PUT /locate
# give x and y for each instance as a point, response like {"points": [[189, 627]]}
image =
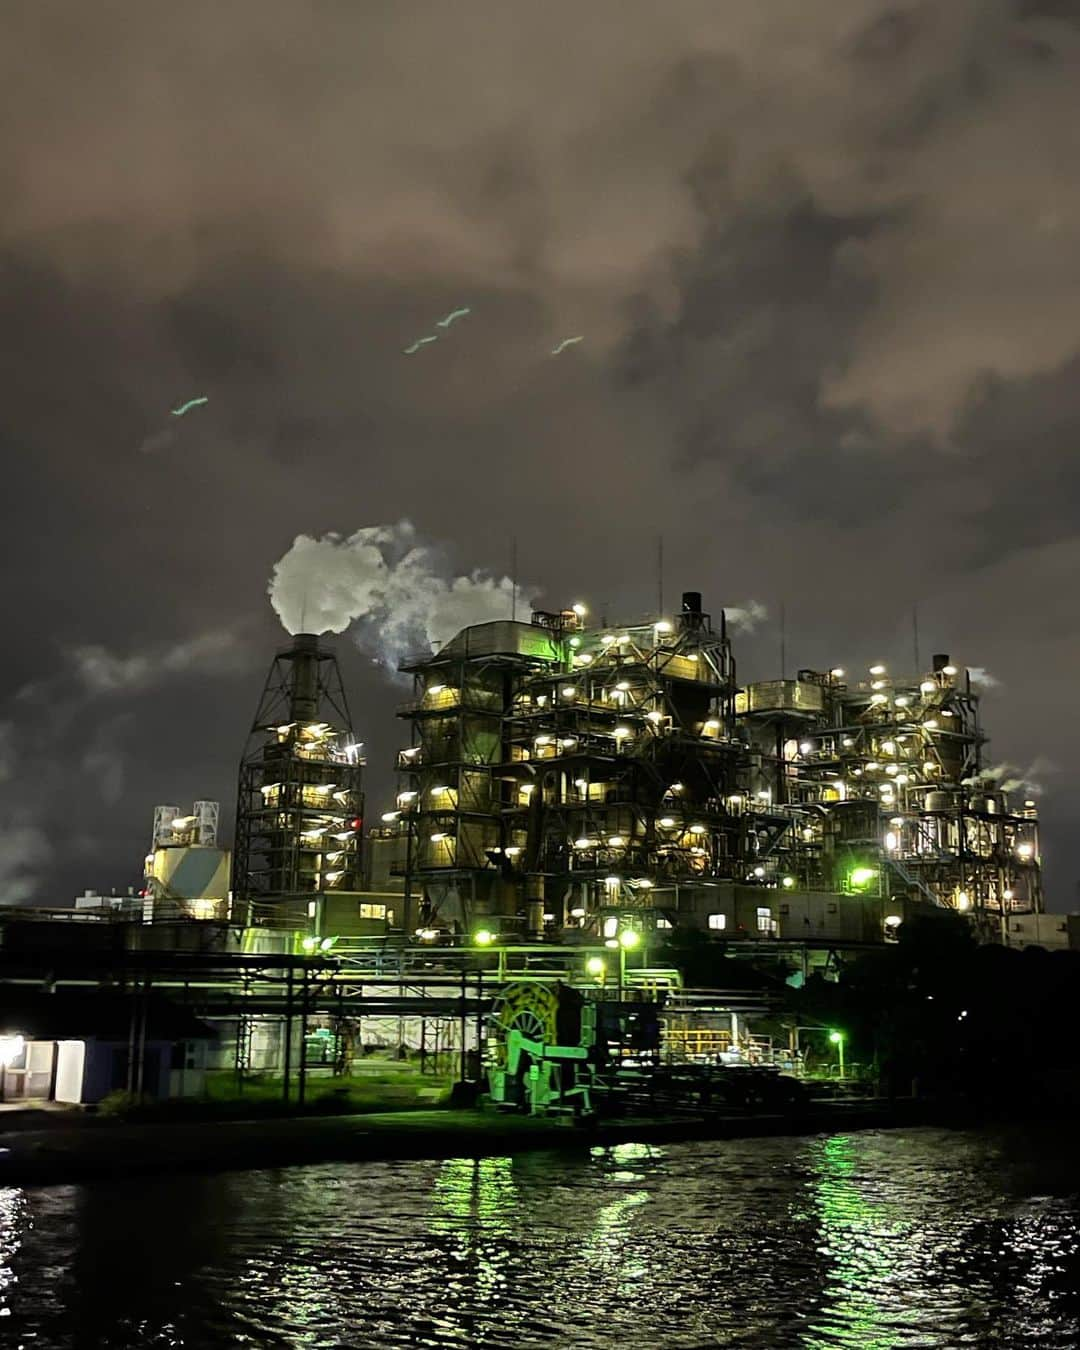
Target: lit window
{"points": [[764, 920], [718, 921]]}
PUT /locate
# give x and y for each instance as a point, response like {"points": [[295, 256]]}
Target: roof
{"points": [[77, 1015]]}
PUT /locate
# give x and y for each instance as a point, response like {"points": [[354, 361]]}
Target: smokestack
{"points": [[304, 697]]}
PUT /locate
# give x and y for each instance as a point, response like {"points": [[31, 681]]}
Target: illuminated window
{"points": [[372, 911], [718, 922], [764, 920]]}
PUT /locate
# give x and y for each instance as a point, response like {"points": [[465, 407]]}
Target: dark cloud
{"points": [[826, 273]]}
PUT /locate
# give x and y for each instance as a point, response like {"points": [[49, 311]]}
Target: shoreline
{"points": [[61, 1155]]}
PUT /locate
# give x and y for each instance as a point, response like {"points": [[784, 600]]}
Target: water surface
{"points": [[919, 1238]]}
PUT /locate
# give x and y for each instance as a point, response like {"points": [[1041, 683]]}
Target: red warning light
{"points": [[357, 823]]}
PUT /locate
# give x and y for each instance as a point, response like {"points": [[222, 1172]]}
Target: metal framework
{"points": [[299, 816], [885, 790]]}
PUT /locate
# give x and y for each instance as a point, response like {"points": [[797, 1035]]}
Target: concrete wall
{"points": [[758, 913], [1041, 930]]}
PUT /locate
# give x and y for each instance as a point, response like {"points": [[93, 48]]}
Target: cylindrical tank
{"points": [[534, 904], [691, 615]]}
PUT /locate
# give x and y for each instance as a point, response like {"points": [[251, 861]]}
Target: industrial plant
{"points": [[565, 778], [574, 801]]}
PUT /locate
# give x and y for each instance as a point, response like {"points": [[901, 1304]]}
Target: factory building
{"points": [[185, 873], [563, 777], [300, 805]]}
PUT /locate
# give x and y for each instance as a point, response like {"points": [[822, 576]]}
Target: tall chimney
{"points": [[304, 698]]}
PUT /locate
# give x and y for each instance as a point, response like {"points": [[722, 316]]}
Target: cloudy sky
{"points": [[825, 260]]}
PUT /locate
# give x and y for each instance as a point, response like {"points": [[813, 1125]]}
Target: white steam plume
{"points": [[382, 579], [1011, 778], [745, 618], [981, 677]]}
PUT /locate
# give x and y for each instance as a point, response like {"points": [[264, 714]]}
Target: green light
{"points": [[327, 943], [186, 407], [484, 937], [836, 1037], [788, 882], [861, 877], [629, 939], [309, 944], [575, 642], [595, 966]]}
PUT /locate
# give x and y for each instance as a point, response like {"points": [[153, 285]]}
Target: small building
{"points": [[78, 1047]]}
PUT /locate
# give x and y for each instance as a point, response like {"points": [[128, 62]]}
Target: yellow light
{"points": [[877, 670], [837, 673], [927, 687], [595, 966], [579, 609], [948, 670], [584, 842], [642, 883], [623, 638], [484, 937], [622, 732], [569, 691], [877, 684], [662, 626], [437, 838], [655, 716], [404, 797], [963, 900], [788, 883], [712, 725], [436, 688], [675, 787], [892, 841], [666, 822], [616, 841], [390, 816], [1025, 850], [622, 686], [878, 698], [512, 851], [901, 702], [697, 829], [931, 725], [628, 939]]}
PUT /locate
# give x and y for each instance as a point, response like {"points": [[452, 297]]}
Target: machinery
{"points": [[552, 1051]]}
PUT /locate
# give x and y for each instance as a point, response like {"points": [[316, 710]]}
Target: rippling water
{"points": [[921, 1238]]}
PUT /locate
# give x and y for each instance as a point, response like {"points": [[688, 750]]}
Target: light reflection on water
{"points": [[877, 1241]]}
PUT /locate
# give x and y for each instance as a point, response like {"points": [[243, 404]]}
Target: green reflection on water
{"points": [[857, 1235], [474, 1201]]}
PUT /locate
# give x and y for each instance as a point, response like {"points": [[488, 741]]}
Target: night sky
{"points": [[825, 259]]}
